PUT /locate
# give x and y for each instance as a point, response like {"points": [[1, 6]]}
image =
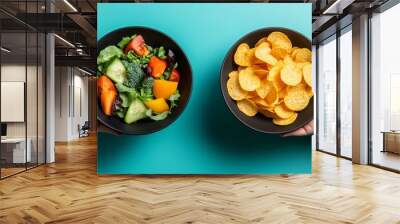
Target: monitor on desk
{"points": [[3, 130]]}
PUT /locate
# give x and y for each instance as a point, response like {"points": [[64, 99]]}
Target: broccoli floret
{"points": [[148, 83], [134, 74], [146, 92]]}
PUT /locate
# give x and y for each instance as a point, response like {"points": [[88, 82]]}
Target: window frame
{"points": [[381, 9], [334, 37]]}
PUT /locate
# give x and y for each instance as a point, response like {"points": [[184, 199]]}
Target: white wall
{"points": [[61, 104], [16, 73], [33, 126], [80, 103], [71, 93]]}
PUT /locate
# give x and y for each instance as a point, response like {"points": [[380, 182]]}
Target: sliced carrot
{"points": [[158, 105], [107, 92], [104, 84], [107, 100], [163, 88]]}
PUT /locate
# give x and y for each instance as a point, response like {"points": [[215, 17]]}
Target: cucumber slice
{"points": [[116, 71], [136, 111]]}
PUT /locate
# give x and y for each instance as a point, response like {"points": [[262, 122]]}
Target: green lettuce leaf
{"points": [[108, 54], [156, 117]]}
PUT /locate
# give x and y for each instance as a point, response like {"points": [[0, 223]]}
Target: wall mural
{"points": [[204, 88]]}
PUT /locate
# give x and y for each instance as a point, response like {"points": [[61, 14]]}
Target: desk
{"points": [[391, 141], [17, 150]]}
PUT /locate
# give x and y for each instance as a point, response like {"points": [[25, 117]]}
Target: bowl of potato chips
{"points": [[266, 80]]}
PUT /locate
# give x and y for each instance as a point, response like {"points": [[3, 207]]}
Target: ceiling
{"points": [[75, 20]]}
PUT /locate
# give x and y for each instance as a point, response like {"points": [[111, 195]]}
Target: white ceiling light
{"points": [[84, 71], [5, 50], [64, 40], [70, 5], [337, 7]]}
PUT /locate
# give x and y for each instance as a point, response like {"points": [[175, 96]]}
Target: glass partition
{"points": [[327, 96], [13, 94], [22, 76], [32, 96]]}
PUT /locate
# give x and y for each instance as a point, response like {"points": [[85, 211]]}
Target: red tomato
{"points": [[137, 45], [175, 76]]}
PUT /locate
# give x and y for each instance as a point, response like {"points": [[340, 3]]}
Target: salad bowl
{"points": [[146, 126]]}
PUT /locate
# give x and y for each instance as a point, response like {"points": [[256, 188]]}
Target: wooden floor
{"points": [[5, 172], [387, 159], [69, 191]]}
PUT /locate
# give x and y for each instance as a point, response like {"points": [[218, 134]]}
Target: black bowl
{"points": [[153, 38], [259, 122]]}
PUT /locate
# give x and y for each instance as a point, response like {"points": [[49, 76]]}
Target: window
{"points": [[346, 92], [327, 96], [385, 89]]}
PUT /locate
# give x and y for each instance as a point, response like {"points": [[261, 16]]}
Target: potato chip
{"points": [[241, 56], [263, 66], [309, 91], [274, 75], [248, 80], [259, 71], [299, 87], [269, 67], [268, 113], [296, 99], [307, 74], [267, 108], [265, 87], [247, 107], [282, 93], [279, 38], [263, 52], [260, 102], [303, 55], [283, 112], [285, 47], [233, 73], [251, 94], [233, 87], [293, 51], [279, 53], [291, 75], [251, 58], [262, 40], [280, 41], [275, 71], [272, 97], [287, 121], [240, 68], [289, 61], [300, 65]]}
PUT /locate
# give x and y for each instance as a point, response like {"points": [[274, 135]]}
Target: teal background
{"points": [[206, 138]]}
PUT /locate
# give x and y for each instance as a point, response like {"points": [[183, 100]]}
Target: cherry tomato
{"points": [[175, 76]]}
